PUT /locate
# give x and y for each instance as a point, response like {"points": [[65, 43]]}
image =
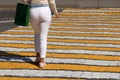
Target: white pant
{"points": [[40, 21]]}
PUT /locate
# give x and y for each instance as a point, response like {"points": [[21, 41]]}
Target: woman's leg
{"points": [[45, 18], [34, 20], [41, 30], [44, 29]]}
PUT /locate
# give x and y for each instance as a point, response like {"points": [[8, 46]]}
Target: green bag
{"points": [[22, 14]]}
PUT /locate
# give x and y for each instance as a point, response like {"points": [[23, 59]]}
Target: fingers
{"points": [[56, 15]]}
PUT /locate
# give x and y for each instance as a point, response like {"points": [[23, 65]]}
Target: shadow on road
{"points": [[7, 19], [10, 56], [7, 26]]}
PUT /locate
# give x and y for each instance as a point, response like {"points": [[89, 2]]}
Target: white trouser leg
{"points": [[40, 21]]}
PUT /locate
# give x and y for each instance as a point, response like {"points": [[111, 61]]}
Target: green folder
{"points": [[22, 14]]}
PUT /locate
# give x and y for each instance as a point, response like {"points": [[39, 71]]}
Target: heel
{"points": [[41, 65]]}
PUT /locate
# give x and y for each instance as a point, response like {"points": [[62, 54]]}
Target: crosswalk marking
{"points": [[61, 37], [64, 24], [112, 53], [60, 43], [65, 40], [75, 29], [76, 32], [65, 47], [82, 44], [65, 74], [29, 78], [63, 61], [65, 56], [39, 78], [60, 67], [67, 34]]}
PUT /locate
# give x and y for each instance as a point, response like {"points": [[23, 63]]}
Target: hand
{"points": [[56, 15]]}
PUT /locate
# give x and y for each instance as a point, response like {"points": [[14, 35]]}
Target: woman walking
{"points": [[40, 19]]}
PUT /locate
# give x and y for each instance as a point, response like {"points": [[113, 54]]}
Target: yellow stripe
{"points": [[62, 47], [11, 65], [97, 22], [67, 40], [22, 28], [89, 14], [65, 34], [15, 38], [66, 24], [93, 9], [70, 56], [84, 56], [101, 13], [29, 28], [18, 33], [84, 21], [20, 78], [16, 45], [82, 48], [83, 30]]}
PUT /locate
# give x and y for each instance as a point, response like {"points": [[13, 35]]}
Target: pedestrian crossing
{"points": [[82, 44]]}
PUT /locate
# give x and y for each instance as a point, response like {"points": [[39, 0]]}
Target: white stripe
{"points": [[58, 73], [16, 49], [6, 21], [104, 24], [77, 32], [83, 44], [61, 51], [62, 43], [20, 31], [17, 36], [85, 52], [89, 38], [61, 37], [62, 61], [17, 41]]}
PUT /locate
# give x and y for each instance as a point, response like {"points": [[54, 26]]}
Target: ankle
{"points": [[42, 60], [37, 55]]}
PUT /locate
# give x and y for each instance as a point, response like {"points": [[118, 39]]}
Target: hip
{"points": [[38, 5]]}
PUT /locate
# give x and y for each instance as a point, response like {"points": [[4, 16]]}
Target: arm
{"points": [[26, 1], [53, 7]]}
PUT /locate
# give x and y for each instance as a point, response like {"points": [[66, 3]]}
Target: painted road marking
{"points": [[76, 32], [33, 78], [61, 37], [62, 51], [65, 47], [73, 67], [61, 73], [100, 61], [62, 61], [64, 56], [66, 40], [61, 43]]}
